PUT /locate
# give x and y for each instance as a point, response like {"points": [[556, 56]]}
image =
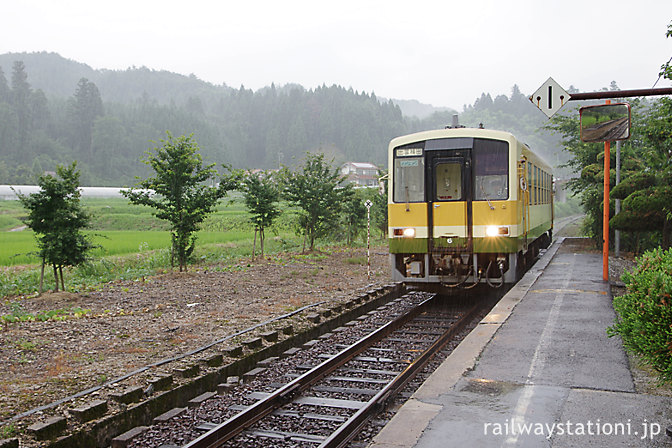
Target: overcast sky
{"points": [[444, 53]]}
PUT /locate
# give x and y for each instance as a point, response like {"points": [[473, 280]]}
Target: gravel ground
{"points": [[135, 323]]}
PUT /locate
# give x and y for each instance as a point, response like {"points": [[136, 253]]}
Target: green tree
{"points": [[57, 218], [261, 195], [646, 189], [354, 214], [85, 107], [5, 93], [666, 68], [586, 159], [315, 190], [379, 207], [178, 192], [21, 93]]}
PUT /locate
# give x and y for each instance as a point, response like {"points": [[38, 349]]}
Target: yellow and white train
{"points": [[466, 206]]}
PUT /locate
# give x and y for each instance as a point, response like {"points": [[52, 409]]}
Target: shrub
{"points": [[645, 311]]}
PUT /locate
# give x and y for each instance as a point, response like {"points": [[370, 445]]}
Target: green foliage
{"points": [[240, 127], [354, 215], [18, 315], [645, 173], [85, 107], [645, 311], [570, 208], [8, 430], [177, 192], [636, 181], [261, 195], [11, 213], [315, 191], [644, 210], [56, 217], [379, 208], [666, 68], [261, 129], [220, 251], [647, 189]]}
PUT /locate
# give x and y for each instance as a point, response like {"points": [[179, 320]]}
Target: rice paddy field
{"points": [[131, 242], [119, 228]]}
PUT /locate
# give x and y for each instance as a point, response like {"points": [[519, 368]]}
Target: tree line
{"points": [[181, 192], [262, 129], [106, 120], [646, 172]]}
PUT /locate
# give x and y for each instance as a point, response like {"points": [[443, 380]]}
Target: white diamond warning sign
{"points": [[550, 97]]}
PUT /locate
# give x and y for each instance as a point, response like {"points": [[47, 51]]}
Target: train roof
{"points": [[452, 132], [462, 132]]}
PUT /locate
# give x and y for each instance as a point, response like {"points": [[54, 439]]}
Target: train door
{"points": [[450, 203], [524, 199]]}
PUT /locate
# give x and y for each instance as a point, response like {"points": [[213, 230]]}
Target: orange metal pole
{"points": [[605, 218]]}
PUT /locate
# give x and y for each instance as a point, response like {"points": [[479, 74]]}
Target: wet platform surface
{"points": [[538, 371]]}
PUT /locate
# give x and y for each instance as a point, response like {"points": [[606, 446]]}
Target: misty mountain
{"points": [[54, 110], [414, 108], [56, 76]]}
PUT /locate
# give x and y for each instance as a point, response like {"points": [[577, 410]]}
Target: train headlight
{"points": [[405, 232], [497, 231]]}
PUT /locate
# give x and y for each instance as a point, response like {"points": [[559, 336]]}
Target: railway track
{"points": [[332, 389]]}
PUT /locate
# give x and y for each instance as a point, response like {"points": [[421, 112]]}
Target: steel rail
{"points": [[348, 430], [236, 424]]}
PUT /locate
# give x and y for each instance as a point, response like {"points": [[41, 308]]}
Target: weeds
{"points": [[8, 431], [18, 315], [29, 346], [645, 311]]}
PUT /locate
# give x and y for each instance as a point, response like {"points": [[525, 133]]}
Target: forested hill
{"points": [[58, 77], [54, 111]]}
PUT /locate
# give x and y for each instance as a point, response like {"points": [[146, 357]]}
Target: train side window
{"points": [[537, 186], [537, 176], [491, 169], [530, 186], [409, 179]]}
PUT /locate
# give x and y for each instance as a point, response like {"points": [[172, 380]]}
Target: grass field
{"points": [[18, 248], [120, 228], [132, 243]]}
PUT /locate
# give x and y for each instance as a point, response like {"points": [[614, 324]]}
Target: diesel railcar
{"points": [[466, 206]]}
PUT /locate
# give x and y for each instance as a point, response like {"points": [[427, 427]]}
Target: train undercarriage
{"points": [[465, 270]]}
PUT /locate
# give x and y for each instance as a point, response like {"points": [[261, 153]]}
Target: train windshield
{"points": [[409, 179], [491, 169], [448, 181]]}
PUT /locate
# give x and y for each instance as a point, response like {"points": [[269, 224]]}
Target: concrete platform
{"points": [[538, 371]]}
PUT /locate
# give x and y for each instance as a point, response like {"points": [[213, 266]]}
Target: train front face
{"points": [[453, 207]]}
